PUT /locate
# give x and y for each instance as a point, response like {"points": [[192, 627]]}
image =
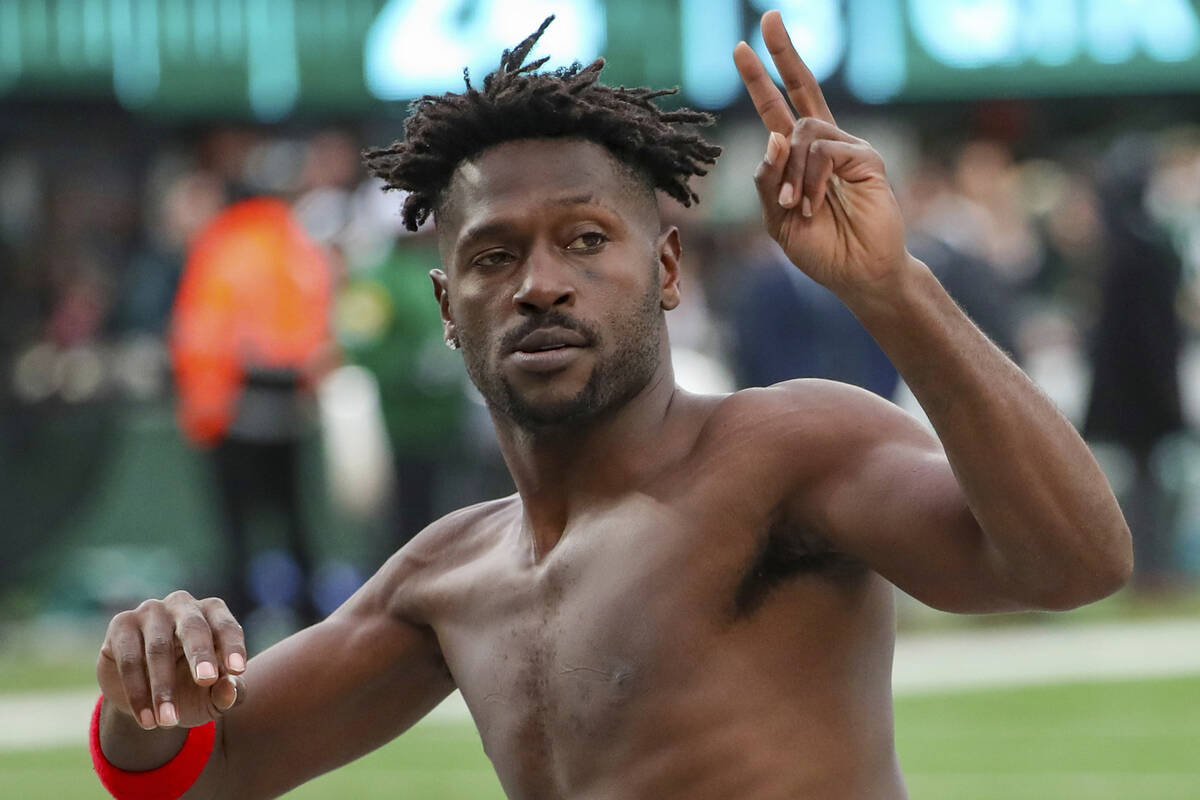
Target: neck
{"points": [[560, 470]]}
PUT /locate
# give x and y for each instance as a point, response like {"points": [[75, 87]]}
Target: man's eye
{"points": [[587, 241], [494, 258]]}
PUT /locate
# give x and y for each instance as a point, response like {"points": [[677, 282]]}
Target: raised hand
{"points": [[173, 662], [824, 193]]}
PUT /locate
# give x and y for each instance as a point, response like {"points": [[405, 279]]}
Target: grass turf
{"points": [[1099, 741]]}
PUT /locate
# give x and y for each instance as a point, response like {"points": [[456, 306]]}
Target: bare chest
{"points": [[557, 656], [563, 663]]}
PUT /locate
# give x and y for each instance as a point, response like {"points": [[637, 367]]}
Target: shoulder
{"points": [[457, 539], [811, 408], [458, 536], [802, 430]]}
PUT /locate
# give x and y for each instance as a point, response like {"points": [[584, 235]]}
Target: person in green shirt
{"points": [[387, 322]]}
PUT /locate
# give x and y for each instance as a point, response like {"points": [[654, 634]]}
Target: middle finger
{"points": [[195, 636], [802, 88], [158, 637]]}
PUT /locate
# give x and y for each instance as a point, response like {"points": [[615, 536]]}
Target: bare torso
{"points": [[679, 640]]}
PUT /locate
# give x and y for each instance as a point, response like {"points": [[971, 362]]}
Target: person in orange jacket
{"points": [[250, 322]]}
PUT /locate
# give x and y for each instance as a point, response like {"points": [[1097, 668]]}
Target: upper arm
{"points": [[329, 694], [872, 482]]}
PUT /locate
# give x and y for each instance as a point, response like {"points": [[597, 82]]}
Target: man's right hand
{"points": [[173, 662]]}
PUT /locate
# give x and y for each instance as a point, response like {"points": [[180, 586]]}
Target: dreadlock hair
{"points": [[442, 131]]}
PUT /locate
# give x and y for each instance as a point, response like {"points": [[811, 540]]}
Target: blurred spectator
{"points": [[250, 323], [186, 205], [987, 178], [949, 232], [986, 299], [788, 326], [388, 322], [1135, 401], [934, 206]]}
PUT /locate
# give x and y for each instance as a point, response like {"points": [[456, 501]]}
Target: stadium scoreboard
{"points": [[267, 59]]}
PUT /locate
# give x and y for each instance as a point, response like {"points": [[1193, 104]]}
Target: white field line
{"points": [[924, 664], [938, 663], [36, 720]]}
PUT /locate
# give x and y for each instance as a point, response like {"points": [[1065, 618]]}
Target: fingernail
{"points": [[236, 662], [205, 670], [166, 713], [785, 195], [806, 206], [146, 719], [774, 147]]}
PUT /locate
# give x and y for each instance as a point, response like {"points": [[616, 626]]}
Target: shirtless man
{"points": [[689, 596]]}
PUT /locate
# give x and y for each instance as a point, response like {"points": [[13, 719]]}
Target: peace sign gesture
{"points": [[824, 193]]}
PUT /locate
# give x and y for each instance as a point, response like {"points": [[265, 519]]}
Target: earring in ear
{"points": [[452, 342]]}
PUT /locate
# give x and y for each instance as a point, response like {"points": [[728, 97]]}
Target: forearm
{"points": [[1032, 484]]}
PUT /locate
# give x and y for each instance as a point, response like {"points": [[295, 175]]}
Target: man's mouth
{"points": [[550, 339], [548, 350]]}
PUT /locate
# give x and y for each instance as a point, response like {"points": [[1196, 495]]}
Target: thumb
{"points": [[227, 693], [768, 179]]}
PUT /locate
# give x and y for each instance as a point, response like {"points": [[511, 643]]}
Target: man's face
{"points": [[555, 278]]}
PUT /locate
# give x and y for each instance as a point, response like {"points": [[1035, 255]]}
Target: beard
{"points": [[616, 378]]}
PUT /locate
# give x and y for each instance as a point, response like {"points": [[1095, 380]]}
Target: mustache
{"points": [[549, 319]]}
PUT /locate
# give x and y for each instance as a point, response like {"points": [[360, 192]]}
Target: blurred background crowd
{"points": [[221, 366]]}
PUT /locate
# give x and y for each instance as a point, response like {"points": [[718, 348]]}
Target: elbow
{"points": [[1122, 561], [1098, 573], [1114, 563]]}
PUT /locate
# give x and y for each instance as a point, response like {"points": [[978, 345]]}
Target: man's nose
{"points": [[547, 285]]}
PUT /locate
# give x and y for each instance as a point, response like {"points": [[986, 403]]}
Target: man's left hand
{"points": [[824, 193]]}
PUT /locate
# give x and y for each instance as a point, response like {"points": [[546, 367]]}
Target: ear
{"points": [[441, 291], [670, 251]]}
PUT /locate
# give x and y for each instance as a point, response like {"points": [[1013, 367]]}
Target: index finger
{"points": [[802, 88], [768, 100]]}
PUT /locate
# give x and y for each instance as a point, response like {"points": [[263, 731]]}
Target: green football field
{"points": [[1099, 741]]}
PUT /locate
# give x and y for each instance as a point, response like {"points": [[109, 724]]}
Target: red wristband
{"points": [[167, 782]]}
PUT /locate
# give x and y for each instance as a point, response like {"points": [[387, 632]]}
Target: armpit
{"points": [[786, 553]]}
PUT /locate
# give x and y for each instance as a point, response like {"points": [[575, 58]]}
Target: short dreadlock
{"points": [[442, 131]]}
